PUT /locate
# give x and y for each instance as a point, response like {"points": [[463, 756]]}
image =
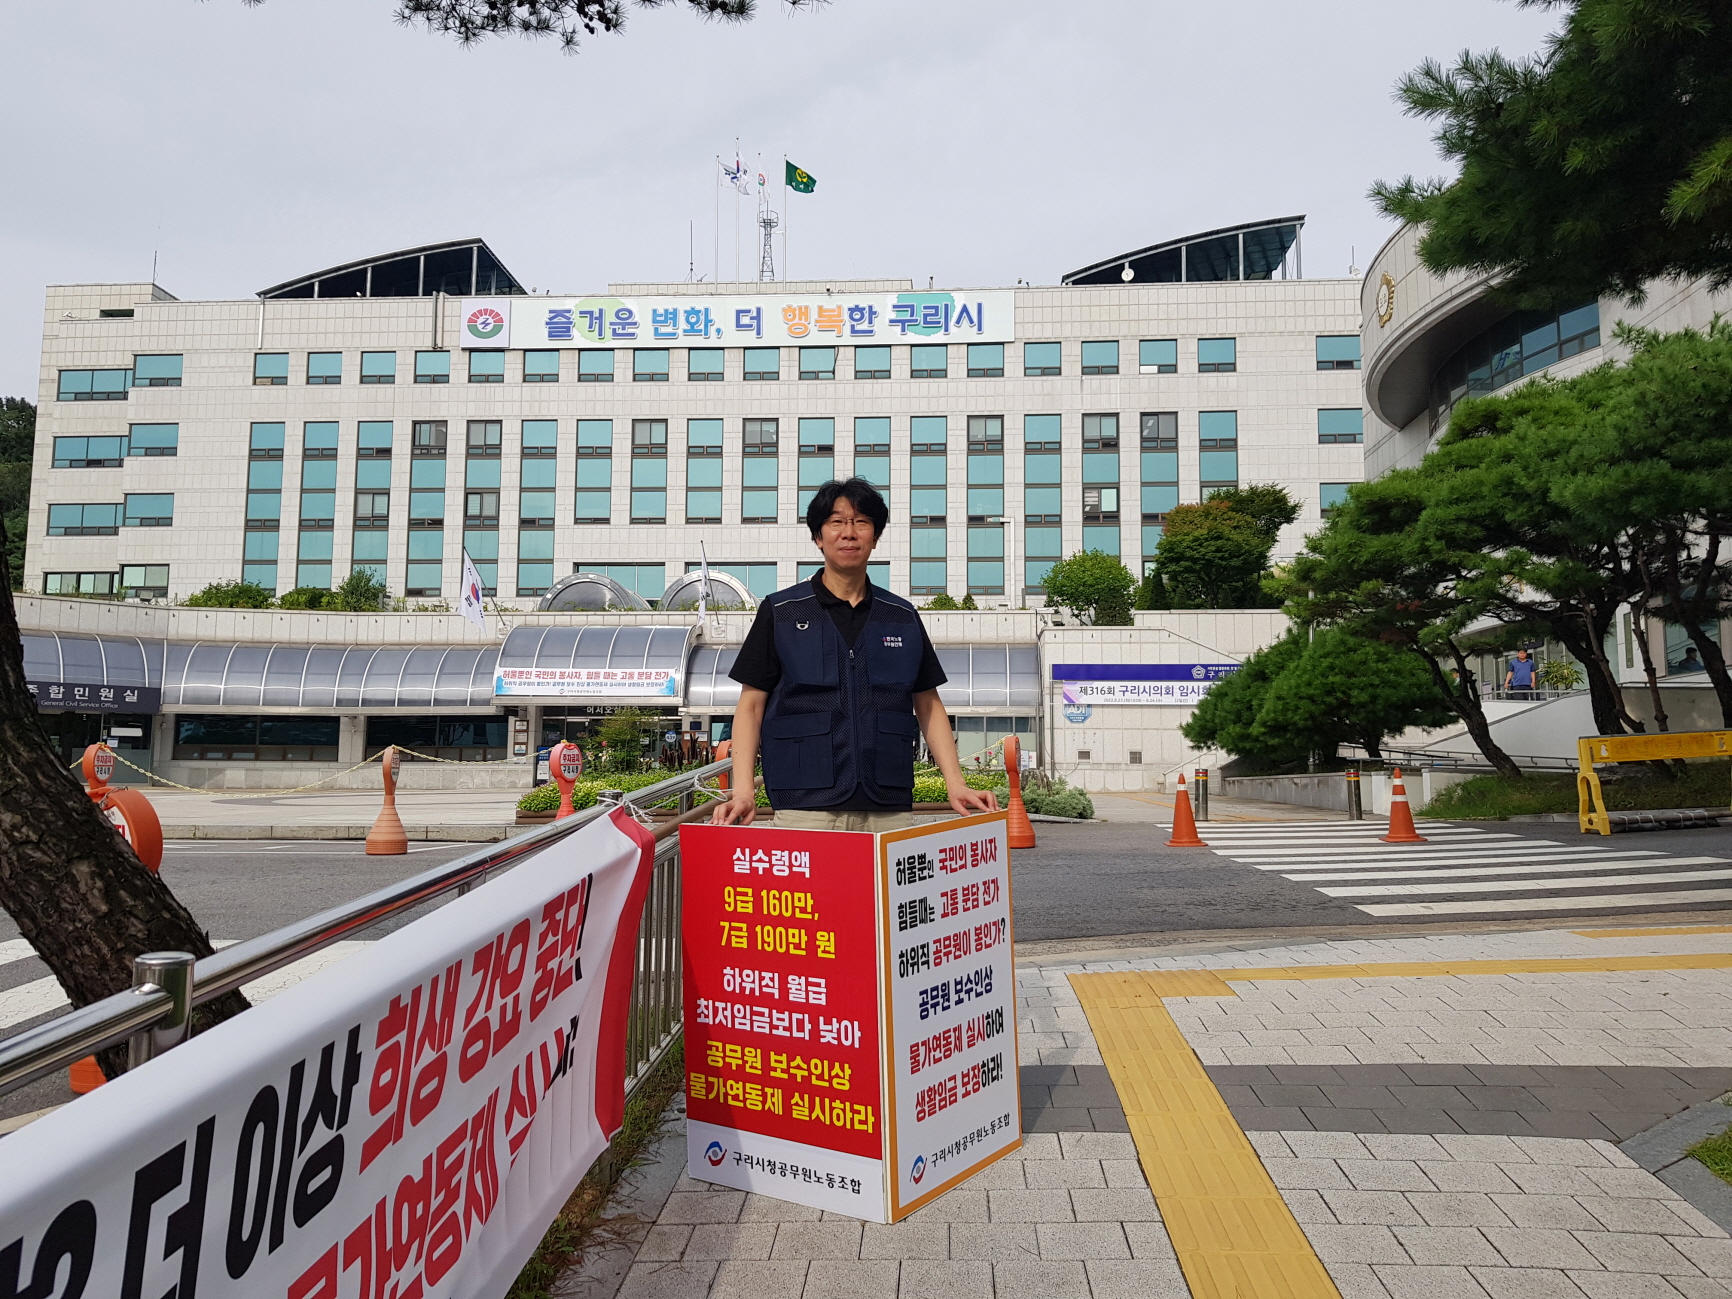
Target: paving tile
{"points": [[1119, 1204], [1030, 1206], [1327, 1119], [1270, 1145], [1386, 1208], [813, 1240], [1004, 1173], [702, 1206], [836, 1279], [1402, 1119], [1657, 1216], [1273, 1119], [1327, 1145], [1480, 1148], [924, 1279], [767, 1208], [1575, 1153], [731, 1240], [1142, 1278], [1465, 1175], [1356, 1281], [1441, 1075], [964, 1204], [1097, 1145], [1553, 1179], [1630, 1183], [1337, 1243], [1626, 1285], [759, 1279], [1128, 1172], [1635, 1252], [1506, 1075], [1403, 1145], [664, 1244], [906, 1239], [1446, 1245], [1052, 1120], [1112, 1120], [1569, 1124], [1625, 1124], [1560, 1212], [1493, 1123], [1242, 1074], [1526, 1283], [993, 1241], [1307, 1174], [1307, 1206], [1537, 1247], [1700, 1287], [1351, 1097], [1385, 1175], [1428, 1282], [1082, 1240], [1039, 1279], [648, 1280]]}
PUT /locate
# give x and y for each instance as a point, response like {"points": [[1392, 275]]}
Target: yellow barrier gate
{"points": [[1590, 749]]}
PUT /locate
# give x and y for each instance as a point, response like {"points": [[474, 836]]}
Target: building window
{"points": [[758, 472], [928, 361], [1100, 466], [1045, 547], [1338, 351], [594, 503], [324, 367], [318, 494], [705, 364], [593, 366], [985, 471], [78, 583], [1101, 357], [94, 385], [927, 573], [378, 367], [432, 367], [1041, 360], [1041, 469], [482, 547], [319, 440], [264, 495], [763, 363], [986, 360], [481, 494], [1334, 426], [1158, 356], [1217, 355], [259, 558], [543, 367], [144, 581], [372, 509], [152, 439], [89, 453], [540, 438], [817, 463], [647, 580], [313, 560], [649, 471], [759, 579], [427, 493], [1160, 468], [1332, 496], [487, 367], [649, 365], [929, 433], [156, 371], [534, 561], [453, 739], [149, 510], [1218, 449], [270, 369], [871, 362], [265, 442], [1518, 345], [872, 451], [704, 471], [224, 738], [83, 520], [986, 560], [373, 441], [540, 474], [817, 363], [372, 489], [424, 573], [427, 437]]}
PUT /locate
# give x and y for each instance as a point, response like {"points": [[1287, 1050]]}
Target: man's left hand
{"points": [[966, 802]]}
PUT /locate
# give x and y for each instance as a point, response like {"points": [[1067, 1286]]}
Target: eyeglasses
{"points": [[836, 523]]}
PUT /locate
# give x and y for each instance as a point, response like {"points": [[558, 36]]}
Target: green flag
{"points": [[800, 181]]}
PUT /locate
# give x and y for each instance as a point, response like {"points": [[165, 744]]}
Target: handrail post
{"points": [[169, 972]]}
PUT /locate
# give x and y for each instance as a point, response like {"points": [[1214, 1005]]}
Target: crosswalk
{"points": [[1467, 870], [37, 997]]}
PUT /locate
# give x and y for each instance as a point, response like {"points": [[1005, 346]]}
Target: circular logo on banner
{"points": [[103, 765], [571, 762], [919, 1170], [484, 322], [715, 1153], [1198, 672]]}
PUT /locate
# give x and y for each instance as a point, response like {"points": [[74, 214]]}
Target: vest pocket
{"points": [[796, 752], [897, 735]]}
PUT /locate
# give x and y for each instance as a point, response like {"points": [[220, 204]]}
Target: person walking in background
{"points": [[1519, 680], [838, 680]]}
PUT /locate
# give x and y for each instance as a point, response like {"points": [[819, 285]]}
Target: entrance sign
{"points": [[850, 1011], [406, 1122], [580, 683]]}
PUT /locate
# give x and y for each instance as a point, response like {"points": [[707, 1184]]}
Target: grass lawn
{"points": [[1706, 783], [1715, 1154]]}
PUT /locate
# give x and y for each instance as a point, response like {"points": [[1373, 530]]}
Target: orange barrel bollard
{"points": [[1401, 828], [724, 751], [1184, 824], [387, 837], [1020, 830], [565, 765]]}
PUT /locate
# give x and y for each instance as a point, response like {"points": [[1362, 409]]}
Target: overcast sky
{"points": [[974, 141]]}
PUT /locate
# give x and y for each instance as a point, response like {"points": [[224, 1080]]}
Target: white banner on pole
{"points": [[405, 1123]]}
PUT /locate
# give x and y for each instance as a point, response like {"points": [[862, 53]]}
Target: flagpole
{"points": [[736, 212], [716, 273], [787, 217]]}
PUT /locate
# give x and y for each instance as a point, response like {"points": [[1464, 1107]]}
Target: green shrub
{"points": [[545, 798], [231, 595], [1058, 799], [304, 597]]}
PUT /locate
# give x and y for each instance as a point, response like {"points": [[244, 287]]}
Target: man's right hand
{"points": [[740, 809]]}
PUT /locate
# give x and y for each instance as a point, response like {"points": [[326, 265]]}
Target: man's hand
{"points": [[965, 801], [740, 808]]}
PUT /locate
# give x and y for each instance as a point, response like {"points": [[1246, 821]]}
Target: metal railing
{"points": [[133, 1015]]}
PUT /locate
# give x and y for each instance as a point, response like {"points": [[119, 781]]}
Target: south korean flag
{"points": [[469, 595]]}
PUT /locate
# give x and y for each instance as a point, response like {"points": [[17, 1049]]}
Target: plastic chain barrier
{"points": [[270, 793]]}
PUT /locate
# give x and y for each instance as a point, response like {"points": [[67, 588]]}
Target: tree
{"points": [[1266, 504], [1093, 585], [1226, 717], [360, 592], [471, 20], [942, 601], [1601, 164], [232, 595], [79, 896], [17, 451], [1210, 556], [1347, 688]]}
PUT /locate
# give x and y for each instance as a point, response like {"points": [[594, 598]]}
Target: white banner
{"points": [[1134, 692], [767, 319], [580, 683], [405, 1123]]}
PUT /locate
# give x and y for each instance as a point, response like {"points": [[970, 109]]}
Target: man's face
{"points": [[1522, 655], [847, 537]]}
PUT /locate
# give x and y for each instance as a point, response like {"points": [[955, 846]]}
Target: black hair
{"points": [[860, 494]]}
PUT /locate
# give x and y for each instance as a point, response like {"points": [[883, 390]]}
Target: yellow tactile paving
{"points": [[1233, 1233], [1658, 932]]}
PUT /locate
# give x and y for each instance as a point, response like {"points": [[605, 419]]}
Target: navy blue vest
{"points": [[841, 718]]}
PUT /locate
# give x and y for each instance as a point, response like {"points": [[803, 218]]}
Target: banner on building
{"points": [[850, 1012], [404, 1123], [1085, 685], [587, 683], [767, 319], [76, 697]]}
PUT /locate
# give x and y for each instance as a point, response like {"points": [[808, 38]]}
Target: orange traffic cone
{"points": [[387, 838], [86, 1076], [1400, 815], [1184, 824], [1019, 832]]}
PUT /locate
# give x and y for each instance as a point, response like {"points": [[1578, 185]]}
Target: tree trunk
{"points": [[1576, 633], [1463, 698], [78, 894], [1639, 634], [1690, 615]]}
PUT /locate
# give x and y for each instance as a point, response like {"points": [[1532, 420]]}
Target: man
{"points": [[1520, 677], [837, 680]]}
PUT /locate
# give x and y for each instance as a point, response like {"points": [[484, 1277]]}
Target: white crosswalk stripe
{"points": [[1465, 870]]}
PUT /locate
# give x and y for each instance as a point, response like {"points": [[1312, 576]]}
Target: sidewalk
{"points": [[448, 815], [1430, 1116]]}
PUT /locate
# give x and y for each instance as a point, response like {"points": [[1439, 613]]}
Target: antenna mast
{"points": [[767, 263]]}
